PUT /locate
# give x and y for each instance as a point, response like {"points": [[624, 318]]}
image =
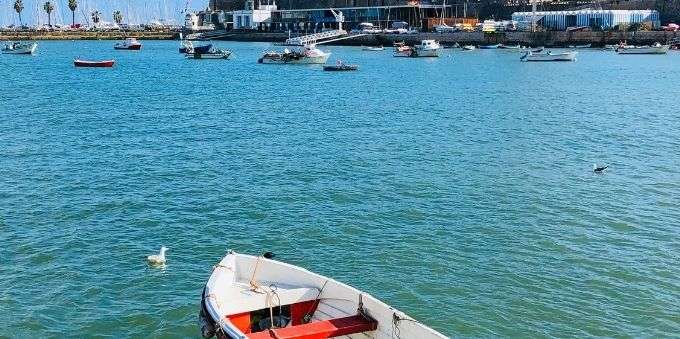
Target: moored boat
{"points": [[27, 48], [401, 49], [208, 52], [88, 63], [130, 44], [502, 46], [580, 46], [469, 48], [186, 46], [549, 56], [260, 298], [654, 49], [427, 48], [372, 48], [307, 54], [489, 46]]}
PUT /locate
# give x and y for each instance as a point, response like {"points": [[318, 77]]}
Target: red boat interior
{"points": [[292, 322]]}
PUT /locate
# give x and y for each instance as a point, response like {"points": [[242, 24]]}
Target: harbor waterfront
{"points": [[553, 38], [458, 189]]}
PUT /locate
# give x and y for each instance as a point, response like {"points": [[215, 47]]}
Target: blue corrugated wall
{"points": [[605, 18]]}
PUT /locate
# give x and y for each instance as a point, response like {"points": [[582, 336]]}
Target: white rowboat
{"points": [[549, 56], [656, 49], [250, 297]]}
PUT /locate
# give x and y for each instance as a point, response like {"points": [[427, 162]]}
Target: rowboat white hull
{"points": [[246, 295], [644, 50], [567, 56]]}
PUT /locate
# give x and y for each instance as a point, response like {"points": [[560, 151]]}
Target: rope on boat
{"points": [[310, 312], [396, 319]]}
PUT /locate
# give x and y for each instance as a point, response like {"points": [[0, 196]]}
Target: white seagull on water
{"points": [[158, 259]]}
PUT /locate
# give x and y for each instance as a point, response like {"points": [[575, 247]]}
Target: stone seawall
{"points": [[525, 38], [555, 39], [78, 35]]}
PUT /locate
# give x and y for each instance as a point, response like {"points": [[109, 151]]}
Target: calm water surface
{"points": [[457, 189]]}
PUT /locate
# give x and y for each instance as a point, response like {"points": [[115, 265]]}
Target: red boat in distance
{"points": [[86, 63]]}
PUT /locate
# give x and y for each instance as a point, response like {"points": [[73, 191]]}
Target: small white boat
{"points": [[307, 54], [207, 52], [469, 48], [444, 28], [20, 48], [580, 46], [502, 46], [250, 297], [129, 44], [372, 48], [401, 49], [655, 49], [427, 48], [549, 56]]}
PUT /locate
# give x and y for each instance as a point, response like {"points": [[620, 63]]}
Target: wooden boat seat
{"points": [[239, 298], [320, 329]]}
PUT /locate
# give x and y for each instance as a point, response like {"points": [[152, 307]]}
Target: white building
{"points": [[251, 18]]}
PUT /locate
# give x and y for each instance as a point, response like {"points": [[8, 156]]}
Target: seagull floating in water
{"points": [[599, 169], [158, 259]]}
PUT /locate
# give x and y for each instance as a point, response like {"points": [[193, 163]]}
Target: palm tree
{"points": [[18, 7], [48, 7], [117, 17], [72, 5], [95, 17]]}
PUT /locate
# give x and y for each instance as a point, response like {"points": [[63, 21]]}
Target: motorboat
{"points": [[444, 28], [580, 46], [89, 63], [549, 56], [207, 52], [502, 46], [307, 54], [20, 48], [427, 48], [489, 46], [129, 44], [257, 297], [186, 46], [372, 48], [654, 49], [340, 66], [469, 47], [401, 49]]}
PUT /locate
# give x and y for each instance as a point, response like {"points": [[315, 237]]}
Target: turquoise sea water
{"points": [[458, 189]]}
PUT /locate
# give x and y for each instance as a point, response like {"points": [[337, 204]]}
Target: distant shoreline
{"points": [[85, 35]]}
